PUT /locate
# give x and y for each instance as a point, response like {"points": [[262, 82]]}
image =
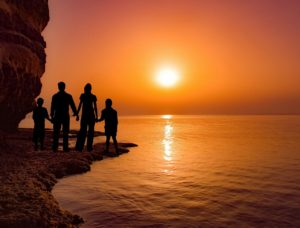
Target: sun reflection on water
{"points": [[168, 138], [167, 142], [166, 117]]}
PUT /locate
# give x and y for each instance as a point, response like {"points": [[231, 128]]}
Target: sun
{"points": [[167, 77]]}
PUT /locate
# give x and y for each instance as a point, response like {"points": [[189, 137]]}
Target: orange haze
{"points": [[233, 56]]}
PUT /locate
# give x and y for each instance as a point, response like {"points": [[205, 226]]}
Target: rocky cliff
{"points": [[22, 58]]}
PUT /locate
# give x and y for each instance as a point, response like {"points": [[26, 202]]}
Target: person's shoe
{"points": [[42, 148], [90, 149], [67, 150], [35, 147]]}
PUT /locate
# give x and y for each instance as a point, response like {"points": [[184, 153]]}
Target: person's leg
{"points": [[81, 135], [107, 143], [35, 138], [66, 129], [90, 136], [115, 143], [42, 137], [56, 130]]}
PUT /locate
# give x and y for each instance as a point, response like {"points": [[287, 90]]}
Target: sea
{"points": [[193, 171]]}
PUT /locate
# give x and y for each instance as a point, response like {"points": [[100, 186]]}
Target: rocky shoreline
{"points": [[27, 178]]}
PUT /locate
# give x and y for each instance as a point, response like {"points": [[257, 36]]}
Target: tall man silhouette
{"points": [[60, 116]]}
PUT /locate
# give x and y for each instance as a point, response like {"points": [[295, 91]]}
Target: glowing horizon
{"points": [[230, 57]]}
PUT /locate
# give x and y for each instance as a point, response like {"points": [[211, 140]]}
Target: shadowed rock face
{"points": [[22, 58]]}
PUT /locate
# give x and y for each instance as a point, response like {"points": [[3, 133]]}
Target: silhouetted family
{"points": [[59, 116]]}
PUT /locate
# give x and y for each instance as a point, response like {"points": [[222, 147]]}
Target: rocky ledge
{"points": [[27, 178]]}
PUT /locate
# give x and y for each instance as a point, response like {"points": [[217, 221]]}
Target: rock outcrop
{"points": [[27, 178], [22, 58]]}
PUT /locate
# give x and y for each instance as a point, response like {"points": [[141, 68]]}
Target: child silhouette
{"points": [[110, 116], [39, 115]]}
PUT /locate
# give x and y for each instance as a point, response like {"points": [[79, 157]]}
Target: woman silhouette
{"points": [[88, 101]]}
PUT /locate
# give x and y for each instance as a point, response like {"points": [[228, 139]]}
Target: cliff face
{"points": [[22, 58]]}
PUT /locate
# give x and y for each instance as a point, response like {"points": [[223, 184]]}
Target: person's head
{"points": [[88, 88], [108, 103], [40, 102], [61, 86]]}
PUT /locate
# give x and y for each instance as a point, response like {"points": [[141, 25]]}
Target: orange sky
{"points": [[233, 56]]}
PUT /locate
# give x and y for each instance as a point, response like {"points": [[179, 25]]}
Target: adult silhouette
{"points": [[88, 102], [110, 116], [60, 116]]}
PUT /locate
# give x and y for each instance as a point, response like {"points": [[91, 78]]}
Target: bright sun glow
{"points": [[167, 77]]}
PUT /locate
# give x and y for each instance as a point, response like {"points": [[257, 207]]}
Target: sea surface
{"points": [[193, 171]]}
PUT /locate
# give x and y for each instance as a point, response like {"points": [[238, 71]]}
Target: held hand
{"points": [[50, 120]]}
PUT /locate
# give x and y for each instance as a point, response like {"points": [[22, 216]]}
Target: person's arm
{"points": [[117, 118], [53, 106], [79, 107], [102, 117], [73, 107], [34, 114], [95, 108], [47, 115]]}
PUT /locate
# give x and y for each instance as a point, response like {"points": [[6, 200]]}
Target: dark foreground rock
{"points": [[27, 178]]}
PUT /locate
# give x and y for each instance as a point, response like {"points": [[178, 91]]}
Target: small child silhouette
{"points": [[110, 116], [39, 115]]}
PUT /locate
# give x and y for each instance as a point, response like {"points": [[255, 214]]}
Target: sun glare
{"points": [[166, 117], [167, 77]]}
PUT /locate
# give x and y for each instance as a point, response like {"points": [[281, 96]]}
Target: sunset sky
{"points": [[231, 56]]}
